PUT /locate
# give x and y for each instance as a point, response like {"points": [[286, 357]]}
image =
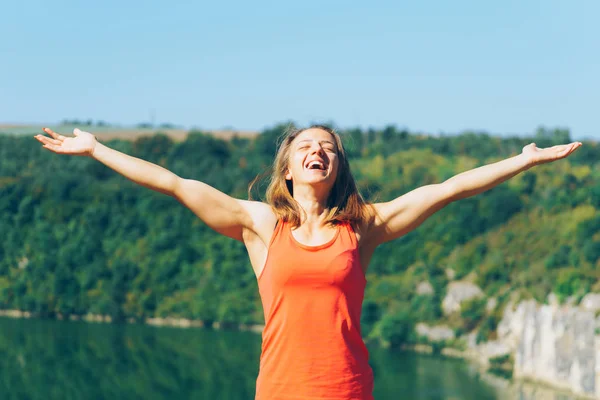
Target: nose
{"points": [[316, 148]]}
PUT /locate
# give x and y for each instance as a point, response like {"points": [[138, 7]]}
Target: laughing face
{"points": [[313, 159]]}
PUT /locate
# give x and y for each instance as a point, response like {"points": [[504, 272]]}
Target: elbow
{"points": [[171, 185], [451, 191]]}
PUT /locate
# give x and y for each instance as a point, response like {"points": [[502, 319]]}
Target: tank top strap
{"points": [[277, 232], [348, 232], [276, 237]]}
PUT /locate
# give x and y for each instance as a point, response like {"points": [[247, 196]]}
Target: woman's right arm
{"points": [[219, 211]]}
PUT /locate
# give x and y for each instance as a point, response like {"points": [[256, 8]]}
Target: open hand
{"points": [[83, 144], [538, 156]]}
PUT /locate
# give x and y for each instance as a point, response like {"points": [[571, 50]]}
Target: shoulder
{"points": [[363, 227], [259, 212], [257, 207]]}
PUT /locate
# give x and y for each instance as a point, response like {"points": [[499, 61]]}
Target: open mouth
{"points": [[316, 165]]}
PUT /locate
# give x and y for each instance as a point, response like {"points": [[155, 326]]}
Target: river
{"points": [[47, 359]]}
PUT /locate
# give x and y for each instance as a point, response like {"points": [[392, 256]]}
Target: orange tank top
{"points": [[312, 297]]}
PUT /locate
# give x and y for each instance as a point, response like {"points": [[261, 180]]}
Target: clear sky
{"points": [[431, 66]]}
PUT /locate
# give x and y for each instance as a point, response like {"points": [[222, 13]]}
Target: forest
{"points": [[77, 238]]}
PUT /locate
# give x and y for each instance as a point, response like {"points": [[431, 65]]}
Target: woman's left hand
{"points": [[537, 156]]}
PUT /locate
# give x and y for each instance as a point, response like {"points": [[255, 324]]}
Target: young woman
{"points": [[310, 246]]}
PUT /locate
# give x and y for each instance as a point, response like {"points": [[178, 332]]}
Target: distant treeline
{"points": [[78, 238], [85, 122], [102, 124]]}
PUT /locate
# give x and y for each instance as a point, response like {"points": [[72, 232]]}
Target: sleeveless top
{"points": [[312, 348]]}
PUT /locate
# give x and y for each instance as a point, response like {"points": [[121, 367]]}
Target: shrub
{"points": [[396, 329], [560, 258], [472, 311], [569, 282], [370, 315], [487, 330], [425, 308]]}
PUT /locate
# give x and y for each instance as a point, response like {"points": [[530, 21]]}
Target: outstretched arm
{"points": [[400, 216], [219, 211]]}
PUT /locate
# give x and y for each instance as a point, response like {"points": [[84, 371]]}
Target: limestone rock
{"points": [[552, 344], [591, 302], [471, 340], [494, 348], [491, 304], [425, 288], [434, 333], [23, 263], [571, 301], [458, 292], [597, 352], [552, 300]]}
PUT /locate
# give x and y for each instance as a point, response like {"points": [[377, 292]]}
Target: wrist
{"points": [[526, 161], [94, 147]]}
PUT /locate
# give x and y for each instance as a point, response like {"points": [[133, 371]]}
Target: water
{"points": [[41, 359]]}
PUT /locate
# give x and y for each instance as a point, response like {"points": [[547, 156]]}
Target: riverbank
{"points": [[168, 321], [514, 388]]}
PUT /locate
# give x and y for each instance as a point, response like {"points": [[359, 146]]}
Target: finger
{"points": [[51, 147], [561, 150], [46, 139], [574, 147], [54, 134], [564, 150], [572, 144], [50, 132], [54, 148]]}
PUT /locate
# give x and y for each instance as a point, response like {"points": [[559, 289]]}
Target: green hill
{"points": [[78, 238]]}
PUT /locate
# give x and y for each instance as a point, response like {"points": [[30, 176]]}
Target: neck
{"points": [[314, 204]]}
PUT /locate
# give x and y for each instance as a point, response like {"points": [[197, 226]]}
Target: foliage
{"points": [[487, 329], [395, 329], [471, 312], [78, 238]]}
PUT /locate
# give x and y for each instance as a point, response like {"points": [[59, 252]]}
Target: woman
{"points": [[310, 246]]}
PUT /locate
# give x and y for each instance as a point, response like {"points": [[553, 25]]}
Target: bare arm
{"points": [[136, 170], [219, 211], [400, 216]]}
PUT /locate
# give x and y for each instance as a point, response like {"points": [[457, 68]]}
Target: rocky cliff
{"points": [[554, 344]]}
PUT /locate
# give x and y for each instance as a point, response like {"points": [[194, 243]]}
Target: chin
{"points": [[325, 180]]}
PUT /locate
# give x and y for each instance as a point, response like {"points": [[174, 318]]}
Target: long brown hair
{"points": [[345, 203]]}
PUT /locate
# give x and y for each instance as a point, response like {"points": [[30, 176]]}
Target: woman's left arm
{"points": [[403, 214]]}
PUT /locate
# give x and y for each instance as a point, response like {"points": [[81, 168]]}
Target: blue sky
{"points": [[431, 66]]}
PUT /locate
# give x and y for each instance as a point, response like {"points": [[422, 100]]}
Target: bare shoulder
{"points": [[258, 209], [376, 227], [263, 219], [364, 236], [364, 229]]}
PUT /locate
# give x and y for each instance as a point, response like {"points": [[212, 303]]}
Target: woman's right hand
{"points": [[83, 144]]}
